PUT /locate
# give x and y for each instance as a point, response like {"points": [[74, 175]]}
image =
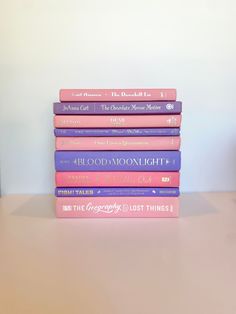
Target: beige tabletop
{"points": [[125, 266]]}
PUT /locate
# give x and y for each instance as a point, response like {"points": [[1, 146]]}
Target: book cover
{"points": [[117, 179], [117, 132], [128, 107], [117, 160], [131, 94], [111, 121], [115, 207], [118, 143], [118, 191]]}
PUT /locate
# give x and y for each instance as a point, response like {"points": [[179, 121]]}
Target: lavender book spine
{"points": [[117, 132], [83, 192], [154, 107], [117, 160]]}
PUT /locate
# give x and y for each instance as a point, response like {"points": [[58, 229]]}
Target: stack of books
{"points": [[117, 153]]}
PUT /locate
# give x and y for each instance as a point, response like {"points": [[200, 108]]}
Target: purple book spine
{"points": [[117, 160], [83, 192], [118, 132], [141, 107]]}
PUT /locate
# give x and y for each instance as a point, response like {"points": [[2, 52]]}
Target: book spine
{"points": [[117, 132], [117, 179], [83, 108], [97, 192], [149, 94], [118, 143], [113, 207], [117, 160], [110, 121]]}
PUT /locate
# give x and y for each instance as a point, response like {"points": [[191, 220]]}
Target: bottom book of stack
{"points": [[120, 207]]}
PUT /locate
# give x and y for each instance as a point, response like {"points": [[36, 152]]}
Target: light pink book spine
{"points": [[118, 143], [114, 207], [117, 179], [137, 94], [121, 121]]}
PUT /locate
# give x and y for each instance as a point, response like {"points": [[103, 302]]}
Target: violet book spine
{"points": [[119, 191], [117, 132], [81, 108], [117, 160]]}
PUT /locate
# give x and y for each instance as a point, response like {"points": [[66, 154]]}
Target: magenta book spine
{"points": [[118, 143], [127, 94], [113, 207], [115, 121]]}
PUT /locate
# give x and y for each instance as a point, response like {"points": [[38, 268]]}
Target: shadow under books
{"points": [[195, 204], [38, 206]]}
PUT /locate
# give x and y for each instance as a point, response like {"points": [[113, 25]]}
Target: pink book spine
{"points": [[113, 207], [118, 143], [117, 179], [139, 94], [122, 121]]}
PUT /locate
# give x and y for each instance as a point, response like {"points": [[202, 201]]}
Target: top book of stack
{"points": [[148, 94]]}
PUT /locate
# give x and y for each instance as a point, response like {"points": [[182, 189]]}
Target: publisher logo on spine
{"points": [[169, 107]]}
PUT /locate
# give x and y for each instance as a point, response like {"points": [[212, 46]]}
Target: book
{"points": [[131, 94], [126, 107], [117, 132], [117, 179], [118, 191], [114, 207], [117, 160], [111, 121], [118, 143]]}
